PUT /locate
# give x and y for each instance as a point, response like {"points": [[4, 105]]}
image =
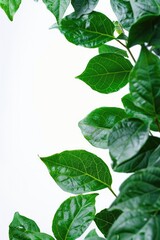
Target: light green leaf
{"points": [[96, 126], [107, 72], [127, 137], [90, 30], [136, 225], [110, 49], [78, 171], [83, 7], [10, 7], [57, 7], [73, 217], [105, 219], [92, 235]]}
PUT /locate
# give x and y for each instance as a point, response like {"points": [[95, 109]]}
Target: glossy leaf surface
{"points": [[110, 49], [154, 159], [90, 30], [10, 7], [57, 7], [107, 73], [73, 217], [78, 171], [96, 126], [105, 219], [92, 235], [83, 7]]}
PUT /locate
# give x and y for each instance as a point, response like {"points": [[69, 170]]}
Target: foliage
{"points": [[128, 133]]}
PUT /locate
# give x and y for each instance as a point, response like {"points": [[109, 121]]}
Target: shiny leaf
{"points": [[110, 49], [73, 217], [92, 235], [83, 7], [107, 72], [10, 7], [90, 30], [126, 139], [78, 171], [154, 159], [96, 126]]}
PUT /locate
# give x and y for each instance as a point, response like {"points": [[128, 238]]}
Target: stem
{"points": [[127, 49], [112, 191]]}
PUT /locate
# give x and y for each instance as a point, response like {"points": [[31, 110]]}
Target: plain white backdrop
{"points": [[41, 103]]}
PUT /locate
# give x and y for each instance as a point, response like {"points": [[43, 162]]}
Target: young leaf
{"points": [[73, 217], [25, 229], [123, 11], [110, 49], [90, 30], [97, 125], [78, 171], [92, 235], [105, 219], [107, 73], [10, 7], [140, 191], [57, 7], [145, 84], [126, 139], [83, 7], [136, 225]]}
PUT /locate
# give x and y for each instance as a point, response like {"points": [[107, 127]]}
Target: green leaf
{"points": [[57, 7], [90, 30], [123, 11], [22, 228], [107, 73], [83, 7], [96, 126], [145, 84], [10, 7], [92, 235], [140, 191], [105, 219], [73, 217], [140, 160], [111, 49], [126, 139], [78, 171], [136, 225], [154, 159]]}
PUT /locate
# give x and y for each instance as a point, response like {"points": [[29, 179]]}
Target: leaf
{"points": [[96, 126], [145, 84], [78, 171], [107, 73], [73, 217], [10, 7], [126, 139], [105, 219], [111, 49], [83, 7], [123, 11], [140, 191], [25, 229], [140, 160], [154, 159], [92, 235], [90, 30], [57, 7], [136, 225]]}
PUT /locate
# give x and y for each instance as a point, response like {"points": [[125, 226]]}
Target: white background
{"points": [[41, 103]]}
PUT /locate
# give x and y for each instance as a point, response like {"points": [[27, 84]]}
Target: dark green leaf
{"points": [[105, 219], [57, 7], [78, 171], [154, 159], [122, 37], [91, 30], [96, 126], [140, 191], [126, 139], [92, 235], [107, 72], [83, 7], [111, 49], [123, 11], [74, 216], [135, 225], [140, 160], [145, 84], [10, 7]]}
